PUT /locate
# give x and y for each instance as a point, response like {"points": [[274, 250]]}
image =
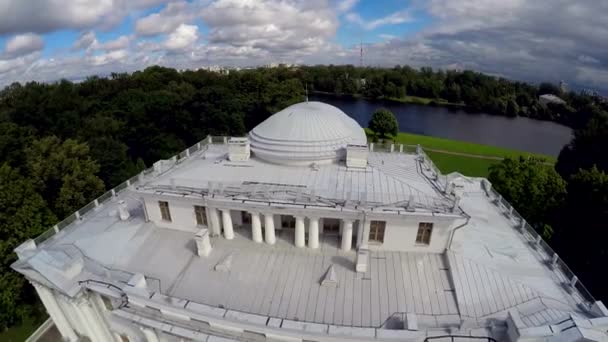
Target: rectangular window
{"points": [[201, 215], [165, 214], [376, 231], [288, 221], [331, 226], [245, 217], [424, 233]]}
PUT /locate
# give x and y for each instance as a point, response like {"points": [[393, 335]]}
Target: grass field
{"points": [[473, 167], [476, 161], [20, 333]]}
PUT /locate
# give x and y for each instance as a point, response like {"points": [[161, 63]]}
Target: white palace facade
{"points": [[302, 231]]}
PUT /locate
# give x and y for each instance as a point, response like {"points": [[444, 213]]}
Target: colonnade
{"points": [[268, 234]]}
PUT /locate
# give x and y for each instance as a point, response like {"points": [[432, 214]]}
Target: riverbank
{"points": [[459, 156], [426, 101]]}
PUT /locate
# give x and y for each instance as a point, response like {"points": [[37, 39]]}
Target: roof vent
{"points": [[238, 149], [356, 156]]}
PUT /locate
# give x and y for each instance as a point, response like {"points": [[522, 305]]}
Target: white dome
{"points": [[305, 133]]}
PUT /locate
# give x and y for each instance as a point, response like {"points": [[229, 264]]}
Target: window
{"points": [[424, 233], [245, 217], [201, 215], [165, 214], [376, 231], [288, 221], [331, 226]]}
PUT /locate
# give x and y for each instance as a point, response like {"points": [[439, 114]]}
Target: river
{"points": [[517, 133]]}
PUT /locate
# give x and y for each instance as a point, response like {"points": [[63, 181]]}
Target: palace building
{"points": [[304, 231]]}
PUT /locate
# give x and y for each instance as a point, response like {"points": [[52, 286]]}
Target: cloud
{"points": [[108, 57], [183, 37], [399, 17], [387, 36], [42, 16], [22, 44], [346, 5], [526, 40], [88, 41], [167, 20], [275, 27], [85, 41]]}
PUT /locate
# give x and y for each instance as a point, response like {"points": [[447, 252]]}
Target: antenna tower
{"points": [[361, 54]]}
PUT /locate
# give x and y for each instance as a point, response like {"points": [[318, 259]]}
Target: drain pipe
{"points": [[460, 226]]}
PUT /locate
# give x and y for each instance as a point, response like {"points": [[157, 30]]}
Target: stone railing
{"points": [[569, 280], [112, 194]]}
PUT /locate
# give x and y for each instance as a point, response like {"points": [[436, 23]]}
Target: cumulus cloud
{"points": [[85, 41], [48, 15], [22, 44], [88, 41], [529, 40], [277, 27], [167, 20], [183, 37]]}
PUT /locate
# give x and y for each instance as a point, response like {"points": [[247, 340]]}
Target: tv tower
{"points": [[361, 54]]}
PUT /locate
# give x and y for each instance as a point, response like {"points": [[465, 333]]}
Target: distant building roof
{"points": [[550, 98]]}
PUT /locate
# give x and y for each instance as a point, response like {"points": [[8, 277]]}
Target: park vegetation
{"points": [[470, 90], [567, 204], [63, 144]]}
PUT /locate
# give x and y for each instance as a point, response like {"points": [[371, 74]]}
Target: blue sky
{"points": [[512, 38]]}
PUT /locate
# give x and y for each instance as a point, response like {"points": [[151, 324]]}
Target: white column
{"points": [[313, 232], [150, 334], [256, 228], [216, 229], [347, 235], [300, 235], [94, 321], [269, 229], [365, 233], [52, 307], [359, 233], [227, 223]]}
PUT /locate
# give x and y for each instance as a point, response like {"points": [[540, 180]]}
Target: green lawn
{"points": [[422, 100], [20, 333], [473, 167], [463, 147], [467, 165]]}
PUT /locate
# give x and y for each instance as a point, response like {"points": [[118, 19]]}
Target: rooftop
{"points": [[491, 266]]}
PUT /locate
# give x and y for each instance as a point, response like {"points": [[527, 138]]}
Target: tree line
{"points": [[568, 203], [473, 91], [65, 143]]}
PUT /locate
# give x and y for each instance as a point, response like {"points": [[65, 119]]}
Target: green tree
{"points": [[383, 122], [64, 173], [587, 148], [23, 214], [534, 189], [581, 236]]}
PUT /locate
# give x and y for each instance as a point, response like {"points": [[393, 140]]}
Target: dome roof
{"points": [[304, 133]]}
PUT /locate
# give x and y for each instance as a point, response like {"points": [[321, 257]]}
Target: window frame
{"points": [[203, 218], [424, 233], [165, 216], [375, 227]]}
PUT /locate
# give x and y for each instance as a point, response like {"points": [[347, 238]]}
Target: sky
{"points": [[540, 40]]}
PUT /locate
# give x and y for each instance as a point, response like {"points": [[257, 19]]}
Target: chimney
{"points": [[356, 156], [123, 211], [238, 149]]}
